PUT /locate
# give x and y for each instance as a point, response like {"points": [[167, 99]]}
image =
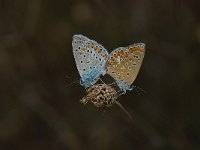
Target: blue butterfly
{"points": [[90, 58]]}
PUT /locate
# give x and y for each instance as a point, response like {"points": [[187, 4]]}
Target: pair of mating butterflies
{"points": [[93, 60]]}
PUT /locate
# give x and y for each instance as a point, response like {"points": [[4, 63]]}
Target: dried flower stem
{"points": [[135, 127], [124, 110]]}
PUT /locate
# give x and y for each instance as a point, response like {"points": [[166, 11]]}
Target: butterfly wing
{"points": [[90, 58], [124, 64]]}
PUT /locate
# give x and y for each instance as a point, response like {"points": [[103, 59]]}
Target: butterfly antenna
{"points": [[121, 92], [102, 81], [105, 83], [68, 77], [112, 83], [70, 84]]}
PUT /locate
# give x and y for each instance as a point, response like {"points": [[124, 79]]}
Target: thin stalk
{"points": [[135, 126], [125, 111]]}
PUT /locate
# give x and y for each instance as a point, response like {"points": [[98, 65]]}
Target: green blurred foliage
{"points": [[40, 108]]}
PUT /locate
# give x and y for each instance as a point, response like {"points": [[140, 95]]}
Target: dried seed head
{"points": [[101, 95]]}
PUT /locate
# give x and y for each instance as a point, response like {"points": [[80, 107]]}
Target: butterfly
{"points": [[124, 63], [93, 60], [90, 58]]}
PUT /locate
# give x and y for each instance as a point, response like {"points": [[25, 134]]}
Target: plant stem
{"points": [[124, 110], [135, 126]]}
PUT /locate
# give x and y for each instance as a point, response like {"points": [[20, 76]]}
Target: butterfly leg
{"points": [[138, 89], [68, 85], [112, 83], [121, 92], [102, 81], [105, 83]]}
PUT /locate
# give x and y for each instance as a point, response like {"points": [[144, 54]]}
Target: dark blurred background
{"points": [[40, 108]]}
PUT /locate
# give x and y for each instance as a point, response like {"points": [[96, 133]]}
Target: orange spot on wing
{"points": [[121, 53], [132, 49], [126, 55], [112, 59], [109, 62], [141, 49], [116, 55]]}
